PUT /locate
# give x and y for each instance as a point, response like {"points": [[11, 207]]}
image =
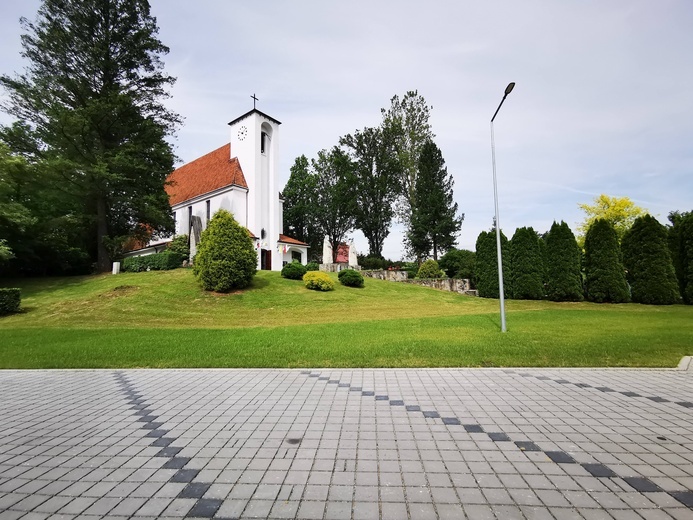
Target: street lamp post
{"points": [[501, 289]]}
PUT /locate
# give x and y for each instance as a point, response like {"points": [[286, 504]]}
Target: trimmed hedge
{"points": [[158, 262], [294, 271], [10, 299], [312, 266], [318, 281], [350, 278]]}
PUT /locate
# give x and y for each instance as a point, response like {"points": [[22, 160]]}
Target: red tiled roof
{"points": [[208, 173], [288, 240]]}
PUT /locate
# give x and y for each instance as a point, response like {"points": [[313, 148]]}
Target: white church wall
{"points": [[231, 199]]}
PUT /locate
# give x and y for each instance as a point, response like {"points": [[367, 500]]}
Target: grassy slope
{"points": [[162, 319]]}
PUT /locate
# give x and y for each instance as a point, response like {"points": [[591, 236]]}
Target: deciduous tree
{"points": [[299, 206], [620, 212], [91, 96], [376, 174], [407, 120], [334, 198]]}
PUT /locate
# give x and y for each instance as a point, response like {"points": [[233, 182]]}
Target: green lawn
{"points": [[163, 319]]}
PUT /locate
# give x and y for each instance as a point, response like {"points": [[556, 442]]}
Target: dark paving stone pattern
{"points": [[346, 444]]}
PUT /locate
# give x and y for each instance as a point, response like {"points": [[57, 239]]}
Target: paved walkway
{"points": [[347, 444]]}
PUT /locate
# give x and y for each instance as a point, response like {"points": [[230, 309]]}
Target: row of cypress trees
{"points": [[640, 269]]}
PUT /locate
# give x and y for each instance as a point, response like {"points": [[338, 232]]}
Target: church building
{"points": [[240, 177]]}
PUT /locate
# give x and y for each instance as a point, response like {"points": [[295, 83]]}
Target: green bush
{"points": [[370, 263], [294, 270], [458, 263], [350, 278], [648, 261], [226, 258], [411, 268], [430, 269], [10, 299], [318, 281], [312, 266], [158, 262], [181, 245], [605, 277]]}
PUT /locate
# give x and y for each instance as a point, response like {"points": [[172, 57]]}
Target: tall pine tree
{"points": [[91, 98], [605, 277], [646, 257], [434, 222], [564, 279]]}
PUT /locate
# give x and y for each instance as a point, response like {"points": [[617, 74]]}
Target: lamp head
{"points": [[509, 88]]}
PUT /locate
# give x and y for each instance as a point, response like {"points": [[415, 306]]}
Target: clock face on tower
{"points": [[242, 133]]}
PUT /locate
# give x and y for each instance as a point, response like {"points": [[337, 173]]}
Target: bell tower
{"points": [[255, 143]]}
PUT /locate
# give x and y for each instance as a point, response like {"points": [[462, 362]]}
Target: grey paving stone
{"points": [[602, 443], [311, 510]]}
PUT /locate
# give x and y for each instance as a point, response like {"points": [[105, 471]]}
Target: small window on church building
{"points": [[263, 141], [208, 212], [189, 218]]}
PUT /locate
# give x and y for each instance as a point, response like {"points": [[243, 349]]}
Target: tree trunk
{"points": [[103, 260]]}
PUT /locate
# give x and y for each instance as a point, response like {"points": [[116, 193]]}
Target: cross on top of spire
{"points": [[254, 100]]}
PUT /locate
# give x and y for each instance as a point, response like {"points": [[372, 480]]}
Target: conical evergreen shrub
{"points": [[647, 260], [605, 277], [564, 279], [487, 264], [226, 258], [681, 248], [527, 265]]}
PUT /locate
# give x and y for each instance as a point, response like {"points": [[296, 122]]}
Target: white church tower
{"points": [[255, 143]]}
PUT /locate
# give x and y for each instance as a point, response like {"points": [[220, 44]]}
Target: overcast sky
{"points": [[603, 102]]}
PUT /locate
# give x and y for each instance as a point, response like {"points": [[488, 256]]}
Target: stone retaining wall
{"points": [[458, 285]]}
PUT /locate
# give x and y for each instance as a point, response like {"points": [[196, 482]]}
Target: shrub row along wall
{"points": [[458, 285], [158, 262]]}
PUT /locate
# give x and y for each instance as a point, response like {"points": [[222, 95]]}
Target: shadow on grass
{"points": [[259, 283]]}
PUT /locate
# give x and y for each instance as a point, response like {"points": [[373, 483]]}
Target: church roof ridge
{"points": [[254, 111], [205, 174]]}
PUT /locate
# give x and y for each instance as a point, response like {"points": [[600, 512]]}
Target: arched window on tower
{"points": [[263, 142]]}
